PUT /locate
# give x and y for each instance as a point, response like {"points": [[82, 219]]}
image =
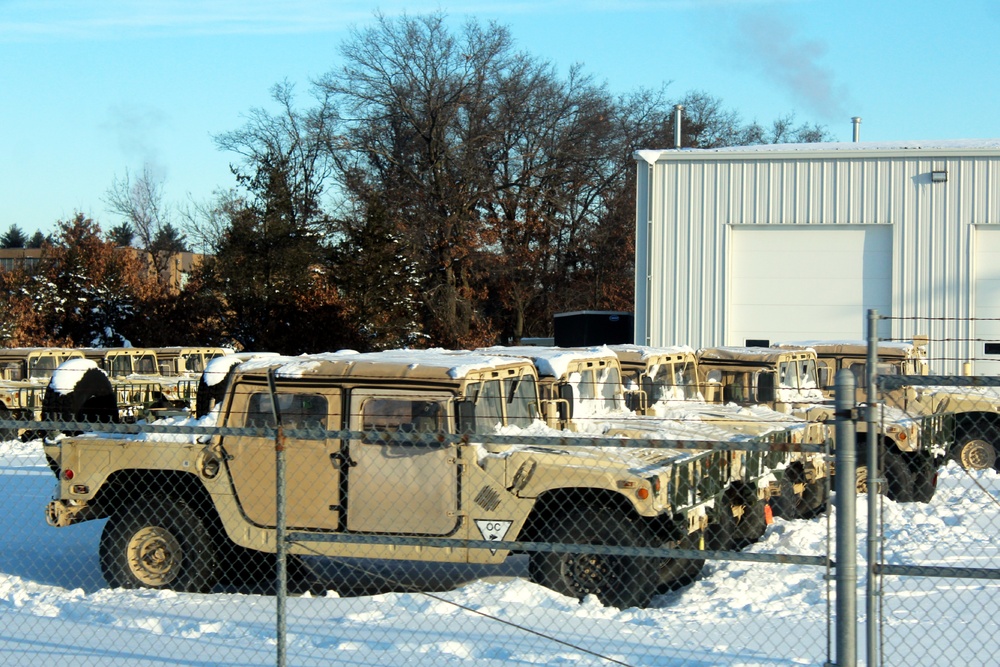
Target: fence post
{"points": [[281, 573], [874, 485], [847, 540]]}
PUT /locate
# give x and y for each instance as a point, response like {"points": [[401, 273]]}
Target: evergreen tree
{"points": [[13, 238], [122, 235], [38, 240], [169, 240]]}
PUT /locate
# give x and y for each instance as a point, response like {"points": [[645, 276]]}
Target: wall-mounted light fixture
{"points": [[939, 177]]}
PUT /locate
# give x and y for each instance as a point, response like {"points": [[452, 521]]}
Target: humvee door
{"points": [[312, 468], [401, 485]]}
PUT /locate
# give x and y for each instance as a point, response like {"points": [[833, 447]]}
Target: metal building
{"points": [[791, 242]]}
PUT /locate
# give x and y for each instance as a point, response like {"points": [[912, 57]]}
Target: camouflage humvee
{"points": [[411, 466]]}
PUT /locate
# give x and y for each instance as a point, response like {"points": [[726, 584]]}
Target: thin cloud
{"points": [[22, 20], [793, 61]]}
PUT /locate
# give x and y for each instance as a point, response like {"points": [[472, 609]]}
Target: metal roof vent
{"points": [[856, 121], [678, 109]]}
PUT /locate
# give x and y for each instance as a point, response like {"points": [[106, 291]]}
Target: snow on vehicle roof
{"points": [[65, 378], [453, 363], [755, 354], [552, 361], [894, 348], [644, 352]]}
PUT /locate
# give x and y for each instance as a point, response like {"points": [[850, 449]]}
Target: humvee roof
{"points": [[439, 365]]}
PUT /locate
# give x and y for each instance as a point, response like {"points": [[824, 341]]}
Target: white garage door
{"points": [[797, 283], [986, 332]]}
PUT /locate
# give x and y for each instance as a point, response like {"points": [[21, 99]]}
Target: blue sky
{"points": [[90, 89]]}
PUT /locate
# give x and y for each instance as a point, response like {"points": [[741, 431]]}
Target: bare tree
{"points": [[139, 201]]}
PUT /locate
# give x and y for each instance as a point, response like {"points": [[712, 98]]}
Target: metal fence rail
{"points": [[366, 610]]}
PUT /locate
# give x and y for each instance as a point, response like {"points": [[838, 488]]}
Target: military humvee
{"points": [[787, 380], [190, 361], [976, 410], [583, 392], [24, 371], [411, 466], [143, 391]]}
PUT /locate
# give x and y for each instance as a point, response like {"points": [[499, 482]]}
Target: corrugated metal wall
{"points": [[688, 200]]}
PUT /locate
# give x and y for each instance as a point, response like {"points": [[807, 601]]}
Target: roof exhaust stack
{"points": [[856, 121], [678, 108]]}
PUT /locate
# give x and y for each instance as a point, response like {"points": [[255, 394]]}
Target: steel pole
{"points": [[846, 502], [874, 485]]}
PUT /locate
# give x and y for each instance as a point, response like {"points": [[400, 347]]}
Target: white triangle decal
{"points": [[493, 530]]}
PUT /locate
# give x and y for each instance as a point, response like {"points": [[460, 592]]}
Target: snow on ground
{"points": [[55, 608]]}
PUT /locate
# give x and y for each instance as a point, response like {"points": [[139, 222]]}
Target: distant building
{"points": [[174, 276], [757, 244], [19, 258]]}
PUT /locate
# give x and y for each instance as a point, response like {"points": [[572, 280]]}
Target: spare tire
{"points": [[213, 383], [80, 392]]}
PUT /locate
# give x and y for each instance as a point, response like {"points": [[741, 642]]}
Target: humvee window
{"points": [[145, 365], [489, 404], [522, 406], [12, 371], [393, 414], [41, 367], [192, 363], [296, 410], [121, 365]]}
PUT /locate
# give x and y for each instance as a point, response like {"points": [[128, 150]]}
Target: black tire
{"points": [[5, 432], [898, 479], [91, 400], [814, 499], [974, 450], [752, 525], [721, 532], [676, 573], [925, 478], [253, 571], [158, 544], [618, 581], [209, 395], [787, 504]]}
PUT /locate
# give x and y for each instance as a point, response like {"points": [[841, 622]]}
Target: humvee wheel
{"points": [[618, 581], [975, 453], [676, 573], [158, 544], [861, 479], [7, 433], [925, 477], [898, 478]]}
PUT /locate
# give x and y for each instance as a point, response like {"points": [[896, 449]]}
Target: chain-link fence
{"points": [[420, 515], [938, 565], [165, 550]]}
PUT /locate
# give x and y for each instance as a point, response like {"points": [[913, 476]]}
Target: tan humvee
{"points": [[24, 371], [976, 410], [665, 381], [178, 509], [788, 381], [143, 391], [190, 361], [583, 391]]}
